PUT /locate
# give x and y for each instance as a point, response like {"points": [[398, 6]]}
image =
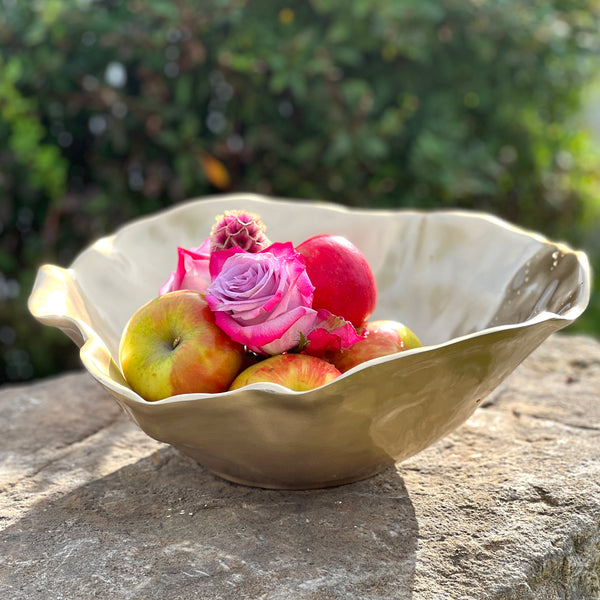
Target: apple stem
{"points": [[176, 342]]}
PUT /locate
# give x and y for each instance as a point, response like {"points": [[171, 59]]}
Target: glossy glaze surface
{"points": [[480, 293]]}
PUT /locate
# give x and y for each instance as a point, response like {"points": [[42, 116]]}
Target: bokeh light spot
{"points": [[216, 122], [235, 142], [286, 109], [97, 124], [115, 74], [286, 16], [171, 69], [471, 100]]}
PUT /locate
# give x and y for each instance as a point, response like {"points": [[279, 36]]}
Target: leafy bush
{"points": [[113, 109]]}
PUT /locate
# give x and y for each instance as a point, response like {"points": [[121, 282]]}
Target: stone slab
{"points": [[505, 508]]}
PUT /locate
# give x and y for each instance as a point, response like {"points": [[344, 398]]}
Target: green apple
{"points": [[382, 338], [171, 346], [299, 372]]}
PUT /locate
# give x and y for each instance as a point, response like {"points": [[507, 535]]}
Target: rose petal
{"points": [[291, 338], [219, 257], [274, 335], [321, 341], [330, 333], [191, 273]]}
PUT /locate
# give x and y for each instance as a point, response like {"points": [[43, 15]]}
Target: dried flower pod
{"points": [[238, 228]]}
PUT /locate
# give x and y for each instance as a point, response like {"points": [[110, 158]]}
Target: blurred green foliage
{"points": [[110, 109]]}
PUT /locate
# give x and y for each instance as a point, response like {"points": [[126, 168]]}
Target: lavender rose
{"points": [[262, 300]]}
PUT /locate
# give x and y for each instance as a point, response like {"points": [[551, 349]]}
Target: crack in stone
{"points": [[570, 569], [559, 422], [581, 363], [545, 496]]}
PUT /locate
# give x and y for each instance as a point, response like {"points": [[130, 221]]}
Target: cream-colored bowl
{"points": [[480, 293]]}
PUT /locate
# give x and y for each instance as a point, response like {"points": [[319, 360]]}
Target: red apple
{"points": [[171, 345], [382, 338], [343, 279], [299, 372]]}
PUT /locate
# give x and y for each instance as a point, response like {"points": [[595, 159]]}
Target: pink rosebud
{"points": [[192, 271], [330, 334], [262, 300]]}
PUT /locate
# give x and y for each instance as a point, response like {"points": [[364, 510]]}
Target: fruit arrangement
{"points": [[240, 309]]}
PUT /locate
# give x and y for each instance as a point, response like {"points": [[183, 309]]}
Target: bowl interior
{"points": [[445, 274]]}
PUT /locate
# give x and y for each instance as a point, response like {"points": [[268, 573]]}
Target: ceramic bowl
{"points": [[480, 293]]}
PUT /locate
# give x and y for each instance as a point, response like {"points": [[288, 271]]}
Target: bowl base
{"points": [[290, 486]]}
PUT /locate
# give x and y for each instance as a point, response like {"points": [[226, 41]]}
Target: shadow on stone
{"points": [[165, 527]]}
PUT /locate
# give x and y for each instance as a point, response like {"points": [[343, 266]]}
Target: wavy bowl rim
{"points": [[90, 341]]}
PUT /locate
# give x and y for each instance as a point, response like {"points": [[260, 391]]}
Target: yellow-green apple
{"points": [[299, 372], [343, 279], [382, 338], [171, 345]]}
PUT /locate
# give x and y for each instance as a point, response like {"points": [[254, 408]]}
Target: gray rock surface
{"points": [[505, 508]]}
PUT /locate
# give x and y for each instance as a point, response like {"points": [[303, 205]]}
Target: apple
{"points": [[299, 372], [343, 279], [171, 346], [382, 338]]}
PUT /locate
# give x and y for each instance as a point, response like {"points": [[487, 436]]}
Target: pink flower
{"points": [[330, 334], [262, 300], [238, 228], [192, 271]]}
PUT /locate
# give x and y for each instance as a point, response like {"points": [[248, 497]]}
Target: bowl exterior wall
{"points": [[343, 433]]}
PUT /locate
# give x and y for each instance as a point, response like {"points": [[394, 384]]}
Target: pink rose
{"points": [[330, 334], [192, 271], [262, 300]]}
